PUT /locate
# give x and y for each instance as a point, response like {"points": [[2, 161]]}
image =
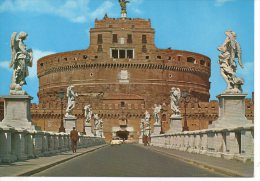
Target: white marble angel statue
{"points": [[96, 121], [88, 113], [147, 118], [230, 50], [175, 96], [21, 59], [156, 113], [142, 122], [71, 101]]}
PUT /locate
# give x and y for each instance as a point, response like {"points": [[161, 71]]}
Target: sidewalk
{"points": [[227, 167], [31, 166]]}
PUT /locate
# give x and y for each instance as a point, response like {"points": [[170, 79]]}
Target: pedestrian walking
{"points": [[74, 137]]}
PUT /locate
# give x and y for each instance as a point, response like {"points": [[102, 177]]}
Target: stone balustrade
{"points": [[230, 143], [18, 145]]}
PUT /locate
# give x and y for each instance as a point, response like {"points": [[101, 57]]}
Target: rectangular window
{"points": [[122, 41], [121, 53], [129, 54], [144, 49], [114, 53], [99, 40], [144, 40], [122, 104], [100, 49], [114, 38], [202, 62], [129, 39]]}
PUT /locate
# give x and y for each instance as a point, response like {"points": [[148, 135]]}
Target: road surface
{"points": [[126, 160]]}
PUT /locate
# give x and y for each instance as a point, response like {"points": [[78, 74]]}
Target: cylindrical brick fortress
{"points": [[122, 73]]}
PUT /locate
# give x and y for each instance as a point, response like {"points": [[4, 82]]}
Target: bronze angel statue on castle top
{"points": [[21, 58], [123, 6]]}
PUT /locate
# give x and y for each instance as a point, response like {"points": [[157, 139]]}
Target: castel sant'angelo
{"points": [[121, 75]]}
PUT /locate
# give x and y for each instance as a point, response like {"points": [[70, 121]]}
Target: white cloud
{"points": [[248, 70], [100, 11], [77, 11], [5, 65], [37, 54], [134, 6], [222, 2]]}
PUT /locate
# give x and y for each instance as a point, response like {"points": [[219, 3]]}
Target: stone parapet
{"points": [[18, 144], [229, 143]]}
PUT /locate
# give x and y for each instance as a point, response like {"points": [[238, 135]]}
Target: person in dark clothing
{"points": [[74, 137]]}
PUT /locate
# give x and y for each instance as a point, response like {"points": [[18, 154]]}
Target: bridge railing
{"points": [[18, 144], [230, 143]]}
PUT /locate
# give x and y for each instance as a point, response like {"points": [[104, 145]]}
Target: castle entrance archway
{"points": [[122, 134]]}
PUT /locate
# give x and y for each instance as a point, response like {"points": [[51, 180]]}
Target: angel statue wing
{"points": [[14, 47], [239, 55]]}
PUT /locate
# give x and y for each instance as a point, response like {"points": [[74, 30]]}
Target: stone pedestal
{"points": [[69, 123], [156, 129], [17, 112], [123, 15], [175, 124], [231, 111], [96, 132], [88, 130], [147, 131], [101, 134]]}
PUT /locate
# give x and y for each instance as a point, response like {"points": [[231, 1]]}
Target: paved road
{"points": [[126, 160]]}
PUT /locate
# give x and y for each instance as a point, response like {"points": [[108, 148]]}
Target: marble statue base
{"points": [[17, 112], [88, 130], [175, 124], [231, 111], [156, 129], [96, 132], [69, 123], [123, 15], [101, 134], [147, 131]]}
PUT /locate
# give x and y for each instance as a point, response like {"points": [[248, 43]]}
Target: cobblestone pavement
{"points": [[127, 160]]}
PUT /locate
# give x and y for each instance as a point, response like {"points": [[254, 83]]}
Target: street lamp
{"points": [[142, 129], [161, 118], [61, 96], [186, 99], [161, 132]]}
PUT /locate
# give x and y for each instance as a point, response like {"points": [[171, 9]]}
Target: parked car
{"points": [[116, 141]]}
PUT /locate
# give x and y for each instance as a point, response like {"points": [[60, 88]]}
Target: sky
{"points": [[192, 25]]}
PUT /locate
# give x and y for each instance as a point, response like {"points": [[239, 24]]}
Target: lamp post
{"points": [[186, 99], [161, 132], [84, 122], [61, 96], [161, 120], [142, 127]]}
